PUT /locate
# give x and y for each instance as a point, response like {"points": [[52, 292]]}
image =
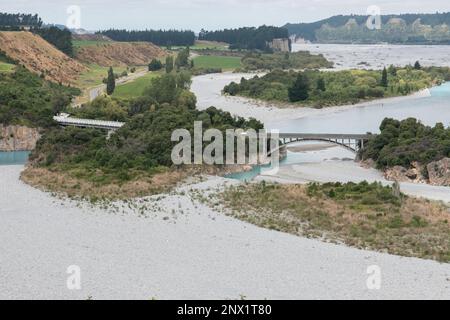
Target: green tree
{"points": [[182, 59], [384, 78], [417, 65], [299, 90], [155, 65], [169, 64], [110, 82]]}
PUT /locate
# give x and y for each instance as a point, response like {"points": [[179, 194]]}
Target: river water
{"points": [[13, 158], [430, 110]]}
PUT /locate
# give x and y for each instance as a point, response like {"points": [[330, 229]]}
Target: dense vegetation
{"points": [[297, 60], [246, 38], [61, 39], [27, 99], [403, 142], [352, 28], [158, 37], [366, 216], [143, 146], [318, 88], [17, 21]]}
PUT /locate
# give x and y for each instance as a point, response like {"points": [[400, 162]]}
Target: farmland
{"points": [[222, 62], [135, 88]]}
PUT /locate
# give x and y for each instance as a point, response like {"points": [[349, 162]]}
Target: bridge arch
{"points": [[352, 142]]}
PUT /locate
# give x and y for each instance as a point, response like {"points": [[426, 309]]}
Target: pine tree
{"points": [[111, 82], [384, 78], [299, 90]]}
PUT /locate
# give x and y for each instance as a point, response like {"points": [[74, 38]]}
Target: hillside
{"points": [[403, 28], [119, 54], [40, 57]]}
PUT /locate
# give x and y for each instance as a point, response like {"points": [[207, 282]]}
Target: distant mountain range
{"points": [[402, 28]]}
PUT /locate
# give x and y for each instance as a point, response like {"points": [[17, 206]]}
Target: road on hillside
{"points": [[98, 90]]}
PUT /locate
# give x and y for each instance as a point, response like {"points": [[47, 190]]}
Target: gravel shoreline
{"points": [[179, 248]]}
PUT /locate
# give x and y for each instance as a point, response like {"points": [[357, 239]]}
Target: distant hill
{"points": [[39, 56], [403, 28], [104, 52]]}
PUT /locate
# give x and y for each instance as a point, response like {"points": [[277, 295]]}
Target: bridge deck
{"points": [[88, 123]]}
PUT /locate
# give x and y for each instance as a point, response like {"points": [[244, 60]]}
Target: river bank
{"points": [[177, 248]]}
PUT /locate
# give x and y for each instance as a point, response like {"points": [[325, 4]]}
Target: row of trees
{"points": [[17, 21], [158, 37], [246, 38]]}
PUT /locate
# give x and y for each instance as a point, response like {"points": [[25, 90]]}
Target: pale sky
{"points": [[208, 14]]}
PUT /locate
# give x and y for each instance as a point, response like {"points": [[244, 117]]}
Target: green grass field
{"points": [[95, 75], [135, 88], [6, 67], [225, 63]]}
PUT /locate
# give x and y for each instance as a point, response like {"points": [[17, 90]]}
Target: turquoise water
{"points": [[13, 158], [441, 91], [291, 158], [430, 110]]}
